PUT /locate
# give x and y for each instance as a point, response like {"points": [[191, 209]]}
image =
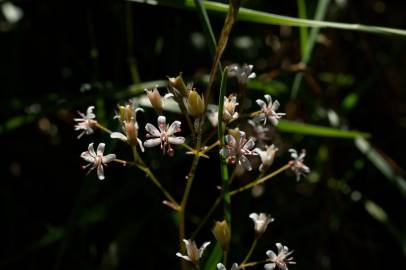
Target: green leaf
{"points": [[214, 258], [315, 130]]}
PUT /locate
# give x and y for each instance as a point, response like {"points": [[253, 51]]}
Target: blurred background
{"points": [[58, 57]]}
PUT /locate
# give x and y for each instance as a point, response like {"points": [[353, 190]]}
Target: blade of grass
{"points": [[315, 130], [301, 6], [250, 15]]}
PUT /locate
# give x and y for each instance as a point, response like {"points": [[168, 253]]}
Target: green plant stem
{"points": [[141, 165], [206, 217], [251, 264], [260, 180], [124, 162], [100, 126], [247, 257]]}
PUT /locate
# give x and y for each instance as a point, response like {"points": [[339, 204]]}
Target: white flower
{"points": [[96, 159], [297, 165], [268, 111], [267, 156], [261, 222], [221, 266], [193, 253], [229, 112], [212, 113], [86, 122], [281, 260], [243, 73], [164, 136], [237, 148], [259, 131], [131, 130]]}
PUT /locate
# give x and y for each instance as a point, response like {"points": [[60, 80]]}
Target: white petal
{"points": [[140, 144], [175, 127], [87, 157], [275, 105], [100, 172], [169, 95], [182, 256], [279, 247], [118, 135], [274, 120], [108, 158], [254, 216], [176, 140], [272, 256], [268, 98], [234, 266], [100, 149], [293, 153], [202, 248], [245, 162], [152, 142], [162, 123], [91, 150], [260, 103], [230, 140], [269, 266], [152, 130], [220, 266], [249, 145], [252, 75]]}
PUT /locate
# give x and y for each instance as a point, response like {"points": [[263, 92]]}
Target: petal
{"points": [[140, 144], [269, 266], [293, 153], [118, 135], [182, 256], [175, 127], [100, 172], [260, 103], [234, 266], [162, 123], [202, 248], [279, 247], [230, 140], [89, 112], [91, 150], [252, 75], [274, 120], [245, 162], [249, 145], [108, 158], [87, 157], [176, 140], [151, 129], [268, 99], [220, 266], [272, 256], [152, 142], [275, 105], [254, 216], [100, 149]]}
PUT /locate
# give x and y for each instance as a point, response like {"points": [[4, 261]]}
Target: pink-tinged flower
{"points": [[156, 100], [221, 266], [229, 112], [164, 136], [261, 222], [281, 260], [237, 148], [97, 159], [131, 134], [86, 123], [193, 253], [259, 132], [243, 73], [268, 110], [297, 165], [267, 156]]}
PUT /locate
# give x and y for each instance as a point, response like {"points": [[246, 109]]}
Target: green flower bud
{"points": [[222, 233], [179, 84], [195, 104]]}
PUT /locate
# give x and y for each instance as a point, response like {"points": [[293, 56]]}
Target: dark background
{"points": [[63, 56]]}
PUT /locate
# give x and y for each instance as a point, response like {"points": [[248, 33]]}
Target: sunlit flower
{"points": [[237, 148], [193, 253], [229, 108], [97, 159], [281, 260], [297, 165], [259, 132], [261, 222], [267, 156], [243, 73], [86, 123], [221, 266], [164, 136], [268, 110]]}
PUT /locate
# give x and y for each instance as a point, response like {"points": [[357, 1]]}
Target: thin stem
{"points": [[141, 165], [251, 264], [247, 257], [225, 255], [208, 148], [260, 180], [124, 162], [206, 217], [100, 126]]}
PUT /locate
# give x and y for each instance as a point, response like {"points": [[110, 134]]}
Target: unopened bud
{"points": [[126, 113], [195, 104], [222, 233], [155, 99], [179, 84], [131, 130]]}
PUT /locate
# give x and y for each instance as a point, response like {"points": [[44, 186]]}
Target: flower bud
{"points": [[131, 130], [195, 104], [126, 113], [179, 84], [222, 233], [155, 99]]}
